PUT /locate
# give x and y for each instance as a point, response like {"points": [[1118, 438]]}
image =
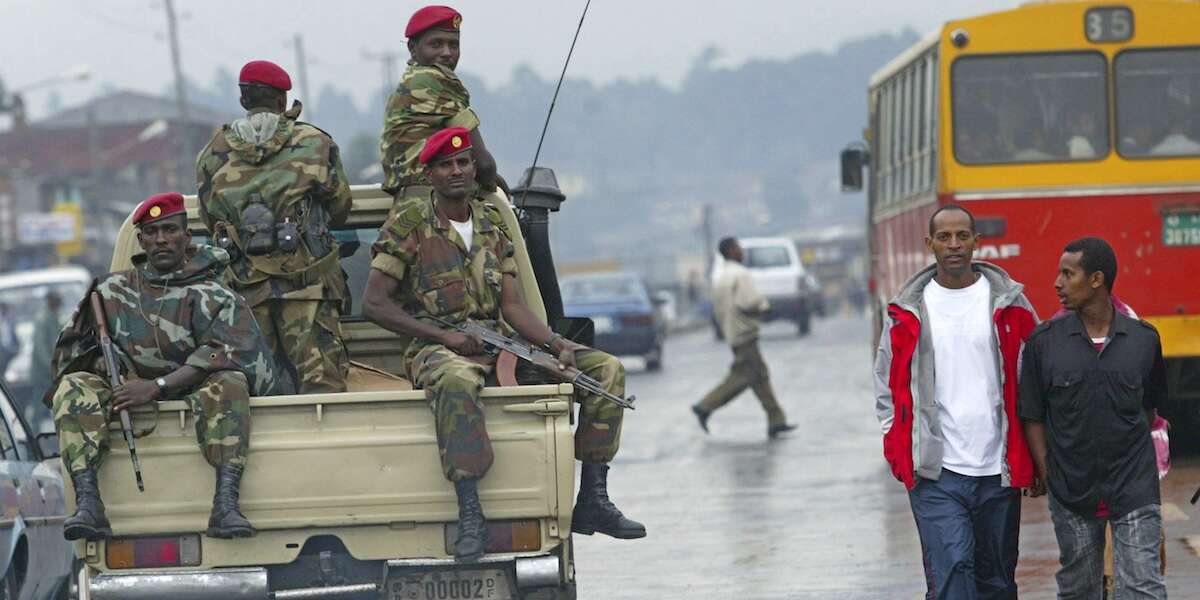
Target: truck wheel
{"points": [[566, 592]]}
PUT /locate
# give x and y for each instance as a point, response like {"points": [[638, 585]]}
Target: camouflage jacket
{"points": [[439, 276], [296, 169], [427, 100], [162, 322]]}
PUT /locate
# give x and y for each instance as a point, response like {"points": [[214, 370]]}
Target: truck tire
{"points": [[566, 592]]}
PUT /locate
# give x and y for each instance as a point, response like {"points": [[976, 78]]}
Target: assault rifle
{"points": [[539, 358], [114, 380]]}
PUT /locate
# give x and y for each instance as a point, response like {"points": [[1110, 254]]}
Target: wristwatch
{"points": [[162, 385]]}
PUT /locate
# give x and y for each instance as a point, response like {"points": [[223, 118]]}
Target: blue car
{"points": [[626, 319]]}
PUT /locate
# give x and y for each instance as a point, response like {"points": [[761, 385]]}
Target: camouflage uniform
{"points": [[440, 277], [428, 98], [296, 296], [158, 324]]}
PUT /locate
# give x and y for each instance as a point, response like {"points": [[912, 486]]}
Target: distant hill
{"points": [[637, 159]]}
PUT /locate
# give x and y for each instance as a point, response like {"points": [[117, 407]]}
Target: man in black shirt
{"points": [[1090, 383]]}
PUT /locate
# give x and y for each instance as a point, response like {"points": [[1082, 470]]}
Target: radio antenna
{"points": [[553, 100]]}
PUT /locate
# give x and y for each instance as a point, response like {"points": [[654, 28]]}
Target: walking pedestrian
{"points": [[738, 308], [947, 362], [1091, 383]]}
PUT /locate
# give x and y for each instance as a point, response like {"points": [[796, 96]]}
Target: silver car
{"points": [[36, 563]]}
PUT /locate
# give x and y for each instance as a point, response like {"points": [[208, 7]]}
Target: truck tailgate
{"points": [[361, 466]]}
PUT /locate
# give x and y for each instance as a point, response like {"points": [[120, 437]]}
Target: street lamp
{"points": [[15, 104]]}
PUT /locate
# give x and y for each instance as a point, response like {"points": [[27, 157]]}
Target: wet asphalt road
{"points": [[815, 515]]}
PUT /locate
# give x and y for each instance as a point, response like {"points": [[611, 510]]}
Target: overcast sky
{"points": [[124, 41]]}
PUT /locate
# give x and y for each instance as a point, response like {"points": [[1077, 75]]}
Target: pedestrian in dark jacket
{"points": [[1091, 382], [946, 397]]}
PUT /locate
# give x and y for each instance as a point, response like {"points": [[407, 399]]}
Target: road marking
{"points": [[1172, 512]]}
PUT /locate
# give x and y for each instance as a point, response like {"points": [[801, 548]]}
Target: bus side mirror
{"points": [[854, 158]]}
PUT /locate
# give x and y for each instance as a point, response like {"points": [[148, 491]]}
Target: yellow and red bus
{"points": [[1049, 122]]}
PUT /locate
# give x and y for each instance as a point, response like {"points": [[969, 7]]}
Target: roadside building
{"points": [[98, 159]]}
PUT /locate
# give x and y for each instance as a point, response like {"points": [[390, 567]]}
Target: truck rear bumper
{"points": [[252, 583]]}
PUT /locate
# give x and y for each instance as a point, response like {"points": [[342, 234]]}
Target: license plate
{"points": [[603, 324], [483, 584], [1181, 230]]}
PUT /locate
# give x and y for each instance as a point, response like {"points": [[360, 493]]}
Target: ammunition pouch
{"points": [[287, 236], [257, 230]]}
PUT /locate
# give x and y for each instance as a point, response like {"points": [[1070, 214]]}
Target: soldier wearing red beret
{"points": [[181, 335], [428, 98], [271, 189], [454, 233]]}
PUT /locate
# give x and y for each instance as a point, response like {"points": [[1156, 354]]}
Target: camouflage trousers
{"points": [[220, 405], [748, 371], [453, 383], [306, 338]]}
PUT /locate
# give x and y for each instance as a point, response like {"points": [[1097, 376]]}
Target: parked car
{"points": [[780, 277], [36, 562], [24, 292], [626, 319]]}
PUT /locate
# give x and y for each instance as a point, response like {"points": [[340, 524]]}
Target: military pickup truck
{"points": [[346, 490]]}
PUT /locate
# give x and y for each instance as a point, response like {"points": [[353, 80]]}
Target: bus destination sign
{"points": [[1181, 229], [1108, 24]]}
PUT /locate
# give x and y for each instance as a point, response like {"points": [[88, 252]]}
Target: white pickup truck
{"points": [[346, 490]]}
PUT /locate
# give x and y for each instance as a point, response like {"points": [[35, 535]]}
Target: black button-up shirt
{"points": [[1094, 404]]}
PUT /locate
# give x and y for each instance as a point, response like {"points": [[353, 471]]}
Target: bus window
{"points": [[1029, 108], [1158, 91]]}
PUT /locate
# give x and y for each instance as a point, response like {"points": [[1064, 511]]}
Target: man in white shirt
{"points": [[738, 308], [945, 395]]}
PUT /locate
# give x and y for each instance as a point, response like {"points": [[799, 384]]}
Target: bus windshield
{"points": [[1030, 108], [1158, 91]]}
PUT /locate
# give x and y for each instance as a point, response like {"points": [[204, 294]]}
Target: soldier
{"points": [[429, 98], [447, 255], [271, 187], [182, 335]]}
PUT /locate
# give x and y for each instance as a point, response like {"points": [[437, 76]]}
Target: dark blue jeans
{"points": [[968, 528]]}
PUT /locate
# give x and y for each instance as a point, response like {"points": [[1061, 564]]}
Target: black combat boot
{"points": [[89, 521], [227, 520], [595, 512], [472, 529]]}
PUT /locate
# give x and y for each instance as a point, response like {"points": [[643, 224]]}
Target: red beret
{"points": [[447, 142], [432, 17], [267, 73], [158, 207]]}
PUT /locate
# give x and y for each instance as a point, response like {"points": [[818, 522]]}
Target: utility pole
{"points": [[181, 140], [388, 61], [302, 71]]}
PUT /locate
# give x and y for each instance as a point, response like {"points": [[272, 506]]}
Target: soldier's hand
{"points": [[466, 345], [134, 392], [566, 352]]}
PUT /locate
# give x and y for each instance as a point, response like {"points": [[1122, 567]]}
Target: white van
{"points": [[25, 292], [780, 277]]}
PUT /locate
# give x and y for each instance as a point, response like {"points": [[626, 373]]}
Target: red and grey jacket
{"points": [[904, 379]]}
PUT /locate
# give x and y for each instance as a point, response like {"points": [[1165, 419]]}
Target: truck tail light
{"points": [[504, 536], [153, 552], [637, 319]]}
